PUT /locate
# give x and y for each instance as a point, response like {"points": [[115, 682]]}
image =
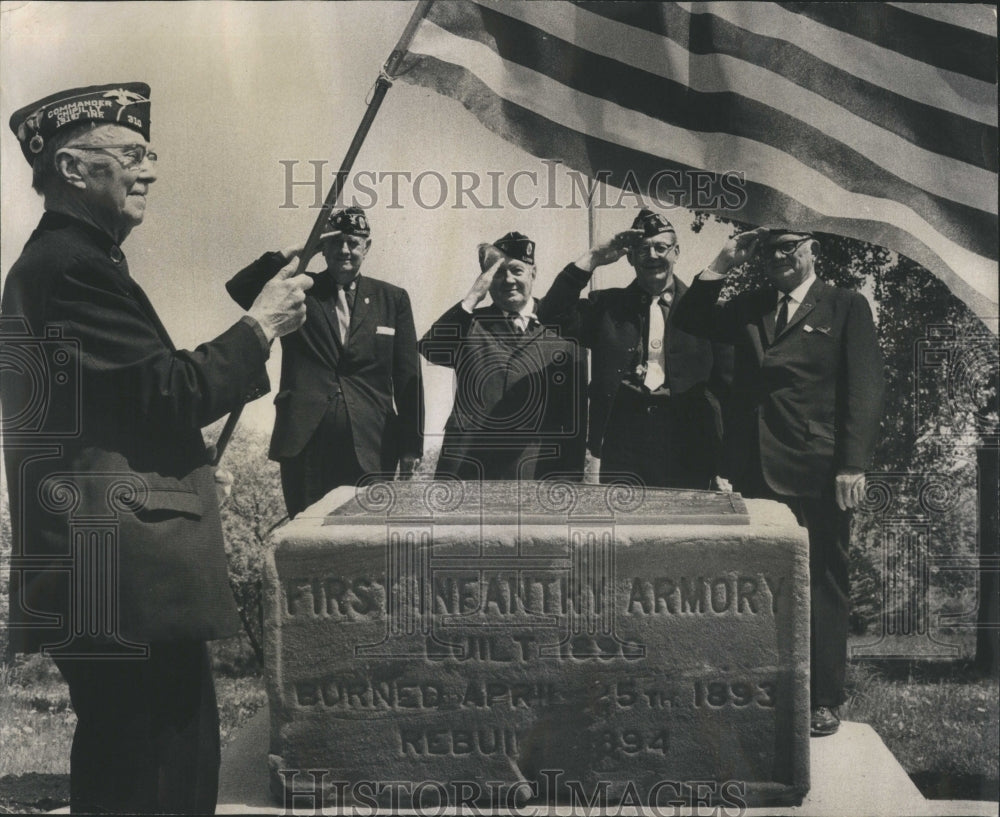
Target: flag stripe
{"points": [[719, 152], [546, 138], [973, 16], [834, 125], [902, 75], [946, 191], [934, 42], [772, 71]]}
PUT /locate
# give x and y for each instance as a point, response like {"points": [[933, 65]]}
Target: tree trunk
{"points": [[988, 631]]}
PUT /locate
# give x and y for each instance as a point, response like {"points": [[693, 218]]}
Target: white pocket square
{"points": [[385, 330]]}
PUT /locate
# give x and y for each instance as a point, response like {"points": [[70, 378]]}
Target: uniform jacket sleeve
{"points": [[129, 364], [864, 392], [562, 305], [245, 286], [441, 344], [699, 313]]}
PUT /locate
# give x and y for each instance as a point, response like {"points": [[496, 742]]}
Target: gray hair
{"points": [[43, 169]]}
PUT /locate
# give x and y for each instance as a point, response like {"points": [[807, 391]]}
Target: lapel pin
{"points": [[367, 300]]}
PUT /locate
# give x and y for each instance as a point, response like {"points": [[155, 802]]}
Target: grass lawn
{"points": [[37, 723], [939, 719]]}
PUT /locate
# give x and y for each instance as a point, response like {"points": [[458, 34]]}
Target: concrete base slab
{"points": [[851, 772]]}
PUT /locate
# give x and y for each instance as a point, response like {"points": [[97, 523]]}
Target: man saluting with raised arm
{"points": [[118, 568], [515, 413], [654, 388], [806, 402]]}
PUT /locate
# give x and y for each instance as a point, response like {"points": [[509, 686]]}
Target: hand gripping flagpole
{"points": [[382, 85]]}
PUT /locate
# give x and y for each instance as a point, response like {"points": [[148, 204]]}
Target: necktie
{"points": [[655, 354], [782, 320], [343, 311], [519, 321]]}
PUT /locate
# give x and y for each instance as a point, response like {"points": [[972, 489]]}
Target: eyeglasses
{"points": [[132, 155], [787, 247], [659, 246], [353, 242]]}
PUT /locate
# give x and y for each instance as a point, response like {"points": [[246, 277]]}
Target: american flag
{"points": [[876, 121]]}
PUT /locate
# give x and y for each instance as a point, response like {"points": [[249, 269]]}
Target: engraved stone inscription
{"points": [[619, 650]]}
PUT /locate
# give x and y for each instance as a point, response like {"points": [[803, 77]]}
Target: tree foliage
{"points": [[249, 516]]}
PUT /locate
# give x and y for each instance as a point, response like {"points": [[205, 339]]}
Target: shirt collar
{"points": [[670, 290], [799, 293], [526, 311]]}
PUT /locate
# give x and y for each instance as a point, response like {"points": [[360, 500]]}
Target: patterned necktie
{"points": [[519, 322], [343, 310], [656, 374], [782, 320]]}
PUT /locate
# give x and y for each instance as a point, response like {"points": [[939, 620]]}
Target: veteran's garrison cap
{"points": [[652, 224], [123, 103], [517, 246], [349, 221]]}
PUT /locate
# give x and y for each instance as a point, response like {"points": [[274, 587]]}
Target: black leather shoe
{"points": [[823, 722]]}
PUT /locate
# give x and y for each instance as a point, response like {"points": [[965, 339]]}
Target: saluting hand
{"points": [[494, 258], [610, 251], [737, 250], [281, 306]]}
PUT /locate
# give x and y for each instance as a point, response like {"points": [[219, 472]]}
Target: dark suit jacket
{"points": [[610, 323], [516, 412], [378, 367], [808, 401], [103, 440]]}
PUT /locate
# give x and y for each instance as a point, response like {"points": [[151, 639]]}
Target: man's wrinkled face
{"points": [[344, 255], [789, 258], [511, 287], [117, 168], [653, 259]]}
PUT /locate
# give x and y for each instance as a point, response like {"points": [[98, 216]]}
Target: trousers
{"points": [[829, 530], [327, 461], [147, 732], [667, 442]]}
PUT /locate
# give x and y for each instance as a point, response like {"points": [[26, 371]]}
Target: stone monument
{"points": [[445, 643]]}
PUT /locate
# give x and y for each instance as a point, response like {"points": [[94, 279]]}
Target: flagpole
{"points": [[591, 220], [382, 85]]}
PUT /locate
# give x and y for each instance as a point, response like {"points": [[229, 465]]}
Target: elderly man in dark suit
{"points": [[806, 403], [350, 401], [517, 412], [654, 388], [118, 568]]}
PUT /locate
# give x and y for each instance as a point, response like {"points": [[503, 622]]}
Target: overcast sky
{"points": [[237, 89]]}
